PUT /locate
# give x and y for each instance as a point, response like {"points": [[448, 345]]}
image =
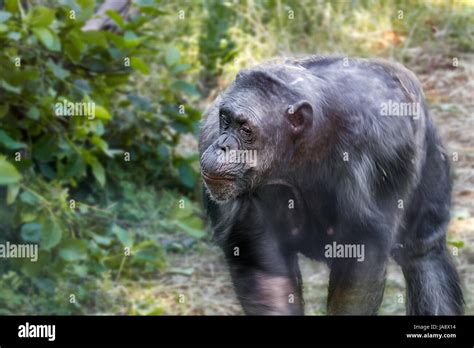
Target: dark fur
{"points": [[355, 201]]}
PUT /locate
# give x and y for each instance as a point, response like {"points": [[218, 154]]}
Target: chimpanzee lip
{"points": [[211, 177]]}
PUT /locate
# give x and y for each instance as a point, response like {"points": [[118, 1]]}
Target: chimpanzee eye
{"points": [[225, 120], [245, 131]]}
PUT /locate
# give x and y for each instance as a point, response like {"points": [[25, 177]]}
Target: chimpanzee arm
{"points": [[263, 267]]}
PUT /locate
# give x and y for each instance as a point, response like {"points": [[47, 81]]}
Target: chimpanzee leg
{"points": [[432, 283], [356, 288]]}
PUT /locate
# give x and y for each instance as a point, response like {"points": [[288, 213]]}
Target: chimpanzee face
{"points": [[256, 131], [232, 163]]}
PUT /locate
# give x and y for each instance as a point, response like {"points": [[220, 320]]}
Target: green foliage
{"points": [[62, 176], [216, 47], [8, 173]]}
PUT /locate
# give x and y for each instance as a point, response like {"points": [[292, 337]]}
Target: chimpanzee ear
{"points": [[300, 115]]}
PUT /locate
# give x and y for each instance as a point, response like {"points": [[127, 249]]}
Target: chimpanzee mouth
{"points": [[214, 178]]}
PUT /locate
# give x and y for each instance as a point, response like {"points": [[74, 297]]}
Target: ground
{"points": [[198, 283]]}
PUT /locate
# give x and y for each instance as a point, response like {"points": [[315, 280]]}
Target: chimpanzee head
{"points": [[262, 120]]}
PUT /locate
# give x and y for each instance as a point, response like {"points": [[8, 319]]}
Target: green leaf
{"points": [[10, 88], [117, 40], [94, 38], [31, 232], [12, 193], [51, 234], [75, 167], [116, 18], [190, 230], [97, 170], [86, 4], [48, 38], [47, 170], [103, 240], [187, 175], [172, 56], [8, 173], [73, 250], [56, 42], [28, 198], [40, 16], [9, 143], [57, 70], [4, 16], [102, 145], [139, 64], [185, 87], [123, 235], [102, 113], [85, 11], [131, 39]]}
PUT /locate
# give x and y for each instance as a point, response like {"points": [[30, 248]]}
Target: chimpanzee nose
{"points": [[223, 147], [226, 142]]}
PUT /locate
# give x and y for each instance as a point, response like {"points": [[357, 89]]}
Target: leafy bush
{"points": [[65, 181]]}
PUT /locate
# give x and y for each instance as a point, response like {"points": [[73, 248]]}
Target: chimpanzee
{"points": [[347, 159]]}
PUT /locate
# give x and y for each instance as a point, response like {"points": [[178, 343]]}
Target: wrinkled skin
{"points": [[331, 168]]}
